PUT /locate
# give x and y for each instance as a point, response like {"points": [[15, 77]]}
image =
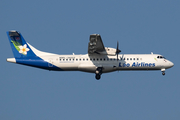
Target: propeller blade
{"points": [[117, 50]]}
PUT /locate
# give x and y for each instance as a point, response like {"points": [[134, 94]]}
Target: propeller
{"points": [[117, 50]]}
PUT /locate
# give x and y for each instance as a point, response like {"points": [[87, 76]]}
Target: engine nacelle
{"points": [[109, 51]]}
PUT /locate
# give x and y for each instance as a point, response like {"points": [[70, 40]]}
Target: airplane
{"points": [[98, 60]]}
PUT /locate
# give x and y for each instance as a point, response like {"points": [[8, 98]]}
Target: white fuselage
{"points": [[99, 59], [88, 63]]}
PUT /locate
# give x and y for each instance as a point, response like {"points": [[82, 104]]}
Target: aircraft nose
{"points": [[171, 64]]}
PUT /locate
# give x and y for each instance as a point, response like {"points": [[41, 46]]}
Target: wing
{"points": [[95, 45]]}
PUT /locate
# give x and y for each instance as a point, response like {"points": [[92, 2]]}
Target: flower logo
{"points": [[23, 49]]}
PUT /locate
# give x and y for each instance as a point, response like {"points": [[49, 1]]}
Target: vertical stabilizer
{"points": [[19, 46]]}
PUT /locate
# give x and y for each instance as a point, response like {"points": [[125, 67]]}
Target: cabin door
{"points": [[50, 63]]}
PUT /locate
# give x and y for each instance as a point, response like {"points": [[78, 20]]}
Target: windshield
{"points": [[161, 57]]}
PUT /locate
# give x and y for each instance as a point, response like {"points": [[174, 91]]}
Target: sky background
{"points": [[63, 27]]}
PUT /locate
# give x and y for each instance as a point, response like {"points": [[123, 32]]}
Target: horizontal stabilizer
{"points": [[13, 60]]}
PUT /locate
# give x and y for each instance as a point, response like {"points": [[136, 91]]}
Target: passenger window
{"points": [[137, 58], [104, 59], [69, 59], [130, 58], [76, 59], [100, 59], [87, 59], [79, 59], [97, 59], [127, 58], [59, 59], [83, 59], [134, 59], [94, 59]]}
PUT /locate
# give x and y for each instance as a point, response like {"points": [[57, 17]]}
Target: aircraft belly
{"points": [[39, 63], [92, 68], [109, 68], [87, 68], [68, 66], [138, 68]]}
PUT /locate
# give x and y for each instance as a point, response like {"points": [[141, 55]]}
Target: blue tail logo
{"points": [[19, 46], [22, 49]]}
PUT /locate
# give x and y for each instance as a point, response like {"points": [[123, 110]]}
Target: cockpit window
{"points": [[161, 57]]}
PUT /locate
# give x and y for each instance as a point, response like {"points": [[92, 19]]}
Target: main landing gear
{"points": [[98, 73]]}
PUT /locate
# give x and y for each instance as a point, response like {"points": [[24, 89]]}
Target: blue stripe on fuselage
{"points": [[37, 62]]}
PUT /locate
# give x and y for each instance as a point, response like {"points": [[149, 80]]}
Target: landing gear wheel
{"points": [[98, 73], [163, 73], [98, 76]]}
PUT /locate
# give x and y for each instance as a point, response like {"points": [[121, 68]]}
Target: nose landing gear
{"points": [[163, 71], [98, 73]]}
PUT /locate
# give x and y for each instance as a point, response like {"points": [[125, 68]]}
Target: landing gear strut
{"points": [[98, 73], [163, 71]]}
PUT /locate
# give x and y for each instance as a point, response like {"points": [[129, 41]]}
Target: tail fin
{"points": [[19, 46]]}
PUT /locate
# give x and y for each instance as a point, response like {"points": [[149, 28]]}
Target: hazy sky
{"points": [[63, 27]]}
